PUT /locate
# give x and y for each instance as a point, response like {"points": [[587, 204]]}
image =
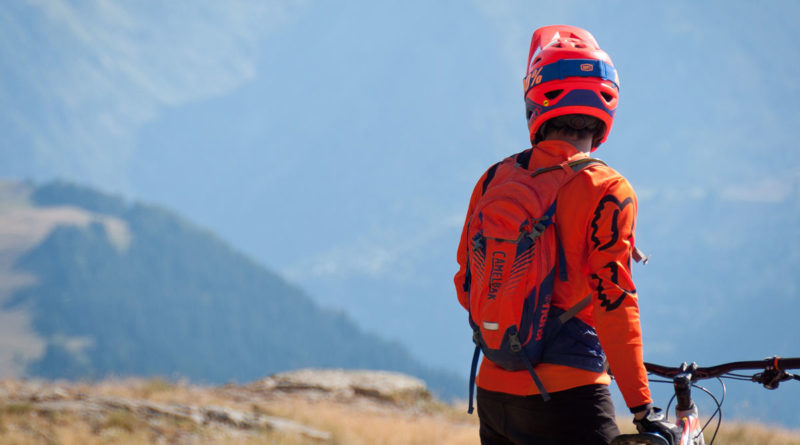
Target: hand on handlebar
{"points": [[655, 422]]}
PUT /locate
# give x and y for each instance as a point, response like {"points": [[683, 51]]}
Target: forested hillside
{"points": [[173, 300]]}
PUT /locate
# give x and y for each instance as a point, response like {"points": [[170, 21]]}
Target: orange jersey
{"points": [[595, 219]]}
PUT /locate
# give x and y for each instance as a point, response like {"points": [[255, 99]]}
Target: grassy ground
{"points": [[355, 421]]}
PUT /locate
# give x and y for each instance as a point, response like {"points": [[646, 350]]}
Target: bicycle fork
{"points": [[686, 414]]}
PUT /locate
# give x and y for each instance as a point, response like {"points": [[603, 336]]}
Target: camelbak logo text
{"points": [[542, 321], [496, 276]]}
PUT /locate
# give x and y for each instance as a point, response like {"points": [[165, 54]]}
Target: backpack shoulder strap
{"points": [[571, 166], [573, 311], [524, 158], [521, 159], [489, 176]]}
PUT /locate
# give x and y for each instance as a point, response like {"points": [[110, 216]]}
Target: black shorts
{"points": [[577, 416]]}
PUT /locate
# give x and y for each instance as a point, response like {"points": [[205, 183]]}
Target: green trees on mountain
{"points": [[179, 302]]}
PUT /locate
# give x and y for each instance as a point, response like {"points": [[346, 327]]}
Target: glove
{"points": [[654, 422]]}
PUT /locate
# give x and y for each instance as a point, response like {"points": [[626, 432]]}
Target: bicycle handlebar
{"points": [[772, 372], [768, 364]]}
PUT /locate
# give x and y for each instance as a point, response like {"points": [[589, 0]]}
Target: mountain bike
{"points": [[773, 372]]}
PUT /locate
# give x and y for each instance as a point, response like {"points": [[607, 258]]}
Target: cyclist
{"points": [[571, 92]]}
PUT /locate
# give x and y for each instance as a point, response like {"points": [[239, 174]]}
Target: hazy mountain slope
{"points": [[177, 301]]}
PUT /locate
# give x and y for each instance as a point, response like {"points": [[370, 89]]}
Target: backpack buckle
{"points": [[514, 343], [537, 228], [476, 338]]}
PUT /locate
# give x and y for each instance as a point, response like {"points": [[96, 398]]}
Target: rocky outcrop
{"points": [[391, 387]]}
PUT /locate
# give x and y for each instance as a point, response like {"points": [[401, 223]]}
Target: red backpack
{"points": [[513, 253]]}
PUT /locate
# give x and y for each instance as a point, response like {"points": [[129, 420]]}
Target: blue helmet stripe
{"points": [[564, 68]]}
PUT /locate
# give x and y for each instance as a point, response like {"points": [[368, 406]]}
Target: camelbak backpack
{"points": [[511, 264]]}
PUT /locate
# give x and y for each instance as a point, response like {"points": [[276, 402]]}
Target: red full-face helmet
{"points": [[568, 73]]}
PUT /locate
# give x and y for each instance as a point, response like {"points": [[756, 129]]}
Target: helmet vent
{"points": [[607, 97], [550, 95]]}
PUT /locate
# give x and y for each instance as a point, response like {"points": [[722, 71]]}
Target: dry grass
{"points": [[353, 425], [358, 421], [32, 427], [737, 433]]}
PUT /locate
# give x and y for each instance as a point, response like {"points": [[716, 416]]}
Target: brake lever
{"points": [[771, 378]]}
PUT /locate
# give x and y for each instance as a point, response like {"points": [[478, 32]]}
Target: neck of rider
{"points": [[582, 144]]}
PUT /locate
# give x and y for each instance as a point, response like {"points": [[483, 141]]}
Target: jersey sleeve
{"points": [[462, 276], [615, 301]]}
